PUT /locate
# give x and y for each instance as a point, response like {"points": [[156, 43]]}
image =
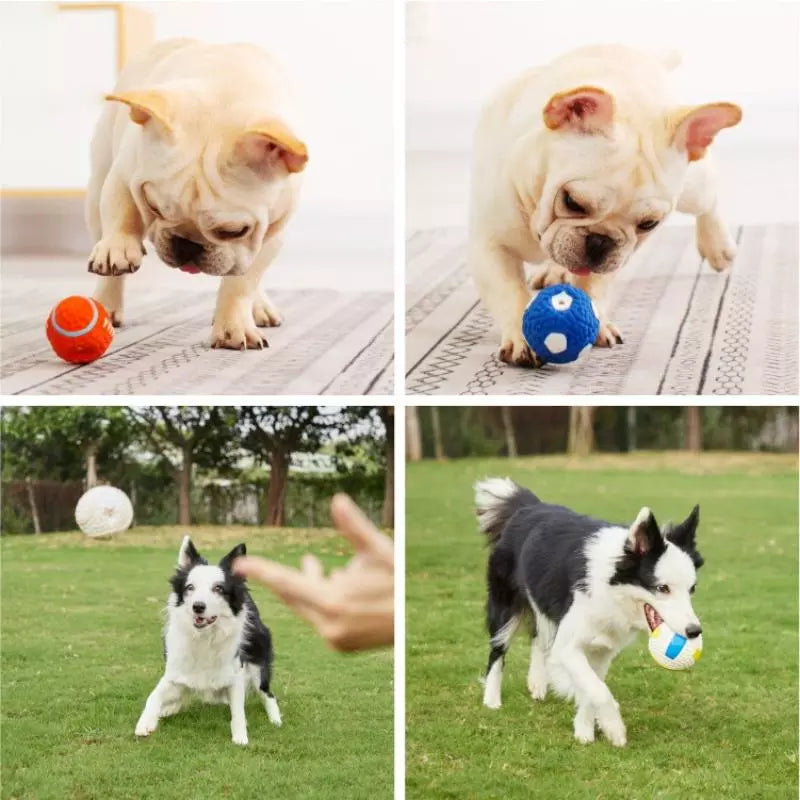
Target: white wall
{"points": [[458, 53], [55, 67], [746, 52]]}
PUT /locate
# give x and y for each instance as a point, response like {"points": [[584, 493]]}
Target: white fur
{"points": [[601, 621], [489, 494], [204, 662], [521, 167]]}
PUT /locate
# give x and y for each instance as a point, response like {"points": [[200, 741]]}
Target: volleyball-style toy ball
{"points": [[79, 329], [560, 323], [670, 649], [104, 511]]}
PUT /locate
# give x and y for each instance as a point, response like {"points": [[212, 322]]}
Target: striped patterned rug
{"points": [[687, 329], [331, 343]]}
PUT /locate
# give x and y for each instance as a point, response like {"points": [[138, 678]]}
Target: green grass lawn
{"points": [[726, 730], [81, 650]]}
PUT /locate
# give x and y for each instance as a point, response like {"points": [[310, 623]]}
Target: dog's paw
{"points": [[265, 314], [549, 275], [239, 738], [514, 350], [613, 727], [116, 255], [537, 689], [608, 335], [714, 243], [144, 727], [236, 331], [584, 731], [273, 712], [492, 702]]}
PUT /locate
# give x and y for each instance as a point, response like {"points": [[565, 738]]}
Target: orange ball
{"points": [[79, 329]]}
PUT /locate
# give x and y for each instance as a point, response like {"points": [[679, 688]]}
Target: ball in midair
{"points": [[79, 329], [103, 511], [560, 323]]}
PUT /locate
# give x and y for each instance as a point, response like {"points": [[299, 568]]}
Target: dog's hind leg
{"points": [[260, 678], [503, 624], [537, 671]]}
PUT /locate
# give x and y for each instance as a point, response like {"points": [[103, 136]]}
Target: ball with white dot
{"points": [[560, 324], [104, 511]]}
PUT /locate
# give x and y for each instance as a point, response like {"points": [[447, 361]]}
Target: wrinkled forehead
{"points": [[675, 567], [204, 575]]}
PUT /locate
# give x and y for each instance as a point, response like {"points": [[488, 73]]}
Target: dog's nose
{"points": [[693, 631], [198, 608], [598, 247], [185, 250]]}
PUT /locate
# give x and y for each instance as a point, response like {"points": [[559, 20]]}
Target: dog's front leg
{"points": [[242, 308], [166, 694], [699, 197], [594, 698], [236, 695], [500, 279]]}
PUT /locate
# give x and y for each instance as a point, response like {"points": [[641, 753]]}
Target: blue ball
{"points": [[560, 323]]}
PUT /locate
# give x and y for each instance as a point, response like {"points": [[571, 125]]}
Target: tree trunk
{"points": [[37, 525], [581, 431], [631, 415], [276, 493], [387, 515], [438, 446], [413, 435], [91, 466], [185, 488], [694, 429], [508, 427]]}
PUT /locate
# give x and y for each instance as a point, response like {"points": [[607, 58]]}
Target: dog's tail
{"points": [[496, 501]]}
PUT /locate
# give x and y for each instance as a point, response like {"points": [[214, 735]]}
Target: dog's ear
{"points": [[644, 535], [693, 129], [147, 107], [188, 555], [239, 550], [585, 109], [267, 144], [683, 536]]}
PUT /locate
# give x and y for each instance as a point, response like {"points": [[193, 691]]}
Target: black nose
{"points": [[693, 631], [198, 608], [185, 250], [598, 247]]}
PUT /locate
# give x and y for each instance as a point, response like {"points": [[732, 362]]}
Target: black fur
{"points": [[256, 647]]}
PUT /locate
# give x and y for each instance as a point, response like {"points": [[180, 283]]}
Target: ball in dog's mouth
{"points": [[652, 616], [203, 622]]}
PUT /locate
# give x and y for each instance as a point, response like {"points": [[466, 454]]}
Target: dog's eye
{"points": [[225, 233], [662, 588], [151, 208], [647, 225], [189, 587], [217, 588], [572, 205]]}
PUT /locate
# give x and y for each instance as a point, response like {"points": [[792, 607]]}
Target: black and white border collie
{"points": [[585, 587], [215, 644]]}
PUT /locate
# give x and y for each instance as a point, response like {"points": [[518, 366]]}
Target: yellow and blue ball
{"points": [[673, 651], [560, 324]]}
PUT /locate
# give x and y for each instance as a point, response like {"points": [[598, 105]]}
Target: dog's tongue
{"points": [[583, 271], [190, 268]]}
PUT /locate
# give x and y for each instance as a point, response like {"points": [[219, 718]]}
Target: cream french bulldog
{"points": [[575, 163], [196, 152]]}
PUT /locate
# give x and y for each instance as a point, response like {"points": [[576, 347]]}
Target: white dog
{"points": [[197, 154], [575, 162]]}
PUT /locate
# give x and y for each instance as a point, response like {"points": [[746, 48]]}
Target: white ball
{"points": [[673, 651], [103, 511]]}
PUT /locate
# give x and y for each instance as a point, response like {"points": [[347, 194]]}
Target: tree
{"points": [[694, 429], [508, 429], [580, 440], [413, 434], [273, 433], [387, 417], [185, 436], [438, 443]]}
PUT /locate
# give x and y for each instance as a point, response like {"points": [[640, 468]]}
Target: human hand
{"points": [[353, 607]]}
